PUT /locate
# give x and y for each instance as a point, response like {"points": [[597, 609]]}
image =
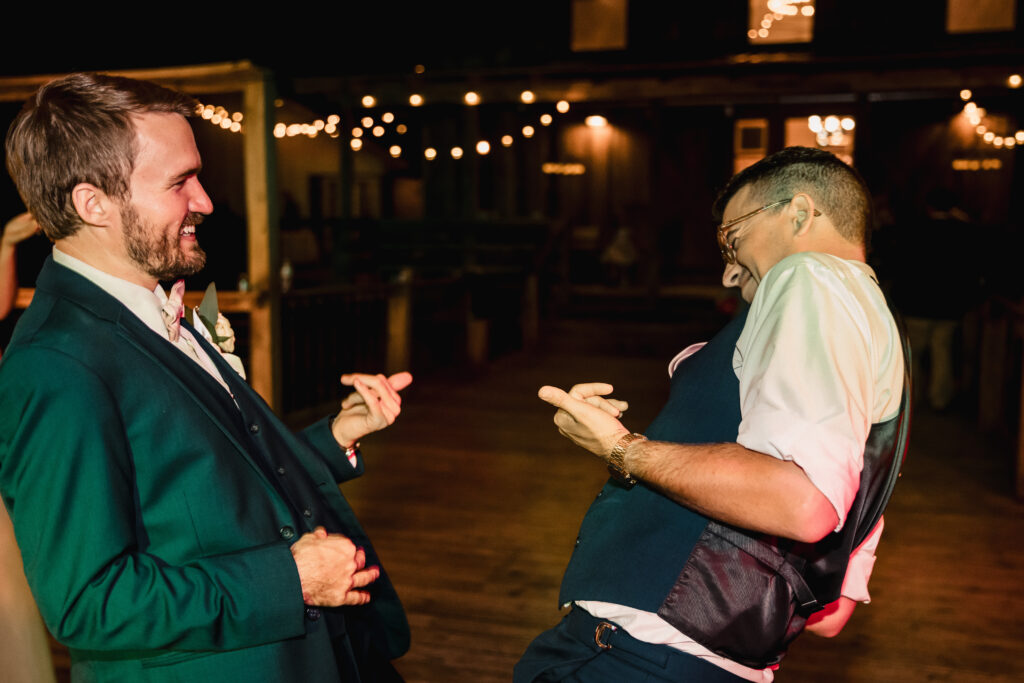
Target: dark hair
{"points": [[79, 129], [837, 188]]}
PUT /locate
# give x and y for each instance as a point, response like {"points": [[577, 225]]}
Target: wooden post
{"points": [[399, 351], [264, 240]]}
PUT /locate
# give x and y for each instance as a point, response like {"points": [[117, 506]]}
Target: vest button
{"points": [[312, 613], [287, 533], [307, 512], [280, 470], [254, 428]]}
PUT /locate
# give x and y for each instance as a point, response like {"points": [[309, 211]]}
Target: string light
{"points": [[975, 114], [330, 125], [830, 130], [219, 116]]}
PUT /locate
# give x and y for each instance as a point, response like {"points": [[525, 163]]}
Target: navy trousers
{"points": [[586, 649]]}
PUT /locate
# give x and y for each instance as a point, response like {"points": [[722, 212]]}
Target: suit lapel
{"points": [[172, 367]]}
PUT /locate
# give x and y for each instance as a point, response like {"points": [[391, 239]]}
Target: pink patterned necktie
{"points": [[173, 310]]}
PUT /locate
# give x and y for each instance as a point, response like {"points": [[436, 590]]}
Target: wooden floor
{"points": [[473, 501]]}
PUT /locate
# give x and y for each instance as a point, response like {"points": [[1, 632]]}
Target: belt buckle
{"points": [[599, 632]]}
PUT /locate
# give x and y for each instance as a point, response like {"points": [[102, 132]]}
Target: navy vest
{"points": [[743, 595]]}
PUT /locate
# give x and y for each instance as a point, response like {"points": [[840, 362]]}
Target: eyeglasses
{"points": [[727, 247]]}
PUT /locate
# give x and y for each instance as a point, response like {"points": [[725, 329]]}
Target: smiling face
{"points": [[166, 201], [759, 242]]}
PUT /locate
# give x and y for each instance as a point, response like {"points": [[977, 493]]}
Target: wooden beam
{"points": [[264, 240]]}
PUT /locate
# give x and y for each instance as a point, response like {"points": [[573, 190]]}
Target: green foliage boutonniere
{"points": [[211, 323]]}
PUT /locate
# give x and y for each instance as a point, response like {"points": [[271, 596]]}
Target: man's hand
{"points": [[19, 228], [373, 405], [587, 417], [331, 568]]}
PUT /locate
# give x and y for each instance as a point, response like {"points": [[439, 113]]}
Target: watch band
{"points": [[616, 463]]}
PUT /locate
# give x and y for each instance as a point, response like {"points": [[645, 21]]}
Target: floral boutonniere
{"points": [[211, 323]]}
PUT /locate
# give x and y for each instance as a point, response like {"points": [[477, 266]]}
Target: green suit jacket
{"points": [[155, 542]]}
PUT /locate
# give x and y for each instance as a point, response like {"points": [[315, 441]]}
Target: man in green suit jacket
{"points": [[172, 527]]}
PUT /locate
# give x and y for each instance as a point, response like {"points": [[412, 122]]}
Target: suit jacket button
{"points": [[287, 533], [312, 613], [254, 428]]}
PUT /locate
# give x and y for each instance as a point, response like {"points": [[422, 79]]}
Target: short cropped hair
{"points": [[79, 129], [836, 187]]}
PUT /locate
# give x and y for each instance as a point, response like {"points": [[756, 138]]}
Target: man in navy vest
{"points": [[746, 513]]}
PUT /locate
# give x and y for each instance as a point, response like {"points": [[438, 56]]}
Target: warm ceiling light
{"points": [[528, 131], [848, 123], [595, 121], [545, 119], [506, 140], [356, 144], [527, 96], [387, 117], [562, 106], [965, 94], [419, 68], [378, 131], [369, 101], [395, 151], [334, 118], [430, 153], [471, 98], [456, 152], [483, 147], [1014, 81], [415, 100], [400, 129], [357, 132], [367, 121], [279, 130]]}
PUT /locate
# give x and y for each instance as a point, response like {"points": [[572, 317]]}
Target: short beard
{"points": [[158, 254]]}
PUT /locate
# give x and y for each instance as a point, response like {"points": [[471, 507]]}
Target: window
{"points": [[781, 21]]}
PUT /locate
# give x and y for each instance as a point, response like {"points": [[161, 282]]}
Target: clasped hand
{"points": [[373, 405], [332, 569], [586, 417]]}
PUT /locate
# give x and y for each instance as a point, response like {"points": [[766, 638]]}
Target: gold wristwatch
{"points": [[616, 464]]}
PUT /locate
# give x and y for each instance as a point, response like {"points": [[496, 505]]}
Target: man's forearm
{"points": [[735, 485]]}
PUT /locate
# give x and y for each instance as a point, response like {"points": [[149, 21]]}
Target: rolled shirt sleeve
{"points": [[817, 363]]}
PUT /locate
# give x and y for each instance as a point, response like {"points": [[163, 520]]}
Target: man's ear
{"points": [[93, 205], [802, 207]]}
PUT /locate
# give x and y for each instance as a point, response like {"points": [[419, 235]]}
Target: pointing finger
{"points": [[553, 395], [400, 380]]}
